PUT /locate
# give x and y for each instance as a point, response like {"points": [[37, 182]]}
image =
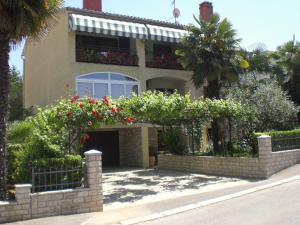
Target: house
{"points": [[98, 54]]}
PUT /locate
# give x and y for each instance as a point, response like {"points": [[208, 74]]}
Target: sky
{"points": [[272, 22]]}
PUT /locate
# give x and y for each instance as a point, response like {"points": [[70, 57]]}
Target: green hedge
{"points": [[286, 133], [67, 161]]}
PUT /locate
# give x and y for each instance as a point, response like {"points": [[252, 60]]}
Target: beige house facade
{"points": [[97, 54]]}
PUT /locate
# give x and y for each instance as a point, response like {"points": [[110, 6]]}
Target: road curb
{"points": [[207, 202]]}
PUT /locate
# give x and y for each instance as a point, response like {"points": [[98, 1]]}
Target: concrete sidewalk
{"points": [[114, 216]]}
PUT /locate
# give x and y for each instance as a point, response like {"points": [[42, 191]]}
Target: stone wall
{"points": [[19, 209], [80, 200], [272, 162], [264, 166], [131, 149], [237, 167]]}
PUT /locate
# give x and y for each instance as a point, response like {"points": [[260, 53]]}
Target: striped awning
{"points": [[107, 26], [124, 29], [165, 34]]}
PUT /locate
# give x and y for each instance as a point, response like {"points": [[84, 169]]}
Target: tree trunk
{"points": [[4, 90], [214, 92]]}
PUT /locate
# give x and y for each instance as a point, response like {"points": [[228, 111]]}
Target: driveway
{"points": [[124, 186]]}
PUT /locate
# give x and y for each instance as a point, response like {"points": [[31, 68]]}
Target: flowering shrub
{"points": [[70, 119]]}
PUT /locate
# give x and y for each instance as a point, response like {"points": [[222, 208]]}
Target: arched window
{"points": [[97, 85]]}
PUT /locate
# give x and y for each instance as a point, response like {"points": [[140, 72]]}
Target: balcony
{"points": [[107, 56], [164, 62], [104, 50]]}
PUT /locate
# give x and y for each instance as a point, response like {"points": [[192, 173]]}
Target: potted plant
{"points": [[152, 156]]}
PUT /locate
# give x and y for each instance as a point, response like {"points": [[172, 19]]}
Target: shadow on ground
{"points": [[127, 185]]}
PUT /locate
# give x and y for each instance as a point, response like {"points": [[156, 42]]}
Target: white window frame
{"points": [[108, 81]]}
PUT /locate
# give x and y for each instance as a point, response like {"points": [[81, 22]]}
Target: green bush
{"points": [[30, 145], [286, 133], [172, 140], [20, 130], [273, 108], [67, 161]]}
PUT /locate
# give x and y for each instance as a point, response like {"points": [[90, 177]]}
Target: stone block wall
{"points": [[264, 166], [18, 209], [272, 162], [236, 167], [80, 200], [131, 149]]}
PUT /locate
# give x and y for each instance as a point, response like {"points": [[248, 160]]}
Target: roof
{"points": [[124, 18]]}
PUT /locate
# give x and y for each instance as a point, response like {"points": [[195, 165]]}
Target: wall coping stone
{"points": [[283, 151], [213, 157], [23, 186], [60, 191], [93, 152], [263, 136]]}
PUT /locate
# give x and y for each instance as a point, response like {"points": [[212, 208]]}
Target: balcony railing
{"points": [[164, 62], [107, 56]]}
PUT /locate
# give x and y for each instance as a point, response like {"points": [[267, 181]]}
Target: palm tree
{"points": [[287, 57], [19, 19], [211, 51]]}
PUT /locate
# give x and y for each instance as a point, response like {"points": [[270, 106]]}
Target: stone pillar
{"points": [[93, 177], [23, 200], [264, 154]]}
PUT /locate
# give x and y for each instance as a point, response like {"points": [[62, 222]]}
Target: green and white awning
{"points": [[107, 26], [165, 34], [124, 29]]}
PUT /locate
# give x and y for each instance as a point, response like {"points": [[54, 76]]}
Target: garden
{"points": [[54, 136]]}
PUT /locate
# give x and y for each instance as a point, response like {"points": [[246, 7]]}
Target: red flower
{"points": [[74, 98], [91, 101], [81, 105], [130, 120], [106, 100], [85, 138], [70, 115], [116, 110], [94, 112]]}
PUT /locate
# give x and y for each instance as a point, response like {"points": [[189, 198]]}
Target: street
{"points": [[279, 205]]}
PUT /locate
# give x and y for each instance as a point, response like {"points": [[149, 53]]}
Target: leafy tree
{"points": [[273, 107], [19, 19], [211, 51], [15, 95]]}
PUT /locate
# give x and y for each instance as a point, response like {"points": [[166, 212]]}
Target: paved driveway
{"points": [[124, 186]]}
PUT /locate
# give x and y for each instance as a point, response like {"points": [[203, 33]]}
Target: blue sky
{"points": [[272, 22]]}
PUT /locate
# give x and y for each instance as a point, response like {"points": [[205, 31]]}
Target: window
{"points": [[97, 85], [91, 42], [161, 50]]}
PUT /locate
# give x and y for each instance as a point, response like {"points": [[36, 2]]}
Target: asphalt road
{"points": [[279, 205]]}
